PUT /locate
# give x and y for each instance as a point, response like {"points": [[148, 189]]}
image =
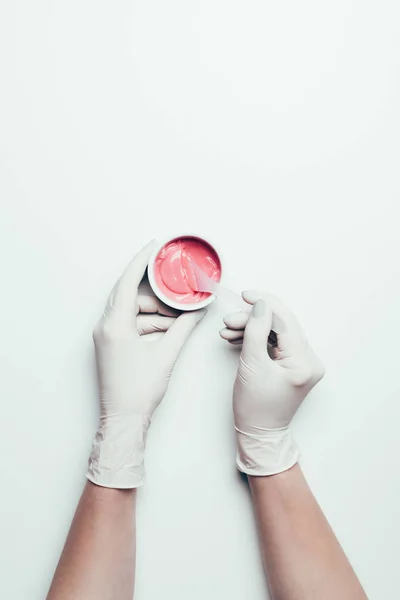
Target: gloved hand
{"points": [[272, 382], [133, 374]]}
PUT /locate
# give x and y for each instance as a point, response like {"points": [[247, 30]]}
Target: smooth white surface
{"points": [[258, 124]]}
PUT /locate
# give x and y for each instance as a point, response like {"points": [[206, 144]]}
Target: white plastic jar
{"points": [[170, 297]]}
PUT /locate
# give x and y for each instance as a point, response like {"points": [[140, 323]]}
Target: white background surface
{"points": [[271, 128]]}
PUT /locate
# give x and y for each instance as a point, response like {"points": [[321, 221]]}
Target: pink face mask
{"points": [[173, 270]]}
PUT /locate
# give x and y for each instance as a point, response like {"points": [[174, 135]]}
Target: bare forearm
{"points": [[98, 559], [302, 557]]}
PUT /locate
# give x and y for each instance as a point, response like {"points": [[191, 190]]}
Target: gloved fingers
{"points": [[290, 336], [152, 323], [122, 300], [235, 326], [235, 337], [237, 320], [231, 335], [152, 304], [279, 309], [176, 336], [257, 330]]}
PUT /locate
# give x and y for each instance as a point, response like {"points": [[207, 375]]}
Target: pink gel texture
{"points": [[173, 272]]}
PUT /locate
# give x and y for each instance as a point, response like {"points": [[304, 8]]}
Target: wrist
{"points": [[284, 479], [268, 452], [117, 457], [110, 496]]}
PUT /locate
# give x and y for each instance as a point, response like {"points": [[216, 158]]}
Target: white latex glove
{"points": [[133, 374], [271, 383]]}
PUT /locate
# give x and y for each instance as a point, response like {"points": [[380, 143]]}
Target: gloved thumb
{"points": [[177, 335], [257, 329]]}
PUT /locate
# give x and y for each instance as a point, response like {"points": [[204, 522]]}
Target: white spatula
{"points": [[204, 283]]}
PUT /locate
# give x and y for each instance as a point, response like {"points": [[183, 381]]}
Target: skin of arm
{"points": [[302, 558], [99, 555], [98, 560]]}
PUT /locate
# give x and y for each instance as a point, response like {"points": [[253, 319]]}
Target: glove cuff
{"points": [[268, 454], [117, 457]]}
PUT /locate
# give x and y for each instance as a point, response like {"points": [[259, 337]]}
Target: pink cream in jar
{"points": [[171, 274]]}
